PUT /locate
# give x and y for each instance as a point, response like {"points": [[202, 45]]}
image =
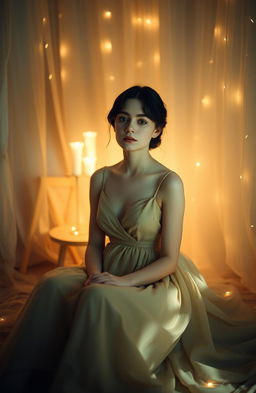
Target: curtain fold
{"points": [[63, 65], [8, 231]]}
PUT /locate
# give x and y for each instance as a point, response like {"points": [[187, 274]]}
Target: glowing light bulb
{"points": [[224, 87], [228, 293], [225, 39], [198, 163], [210, 384], [107, 14], [252, 226], [106, 46], [2, 319], [241, 176], [50, 77], [251, 20], [44, 19], [46, 45], [246, 136], [73, 228], [148, 21], [76, 233], [206, 101]]}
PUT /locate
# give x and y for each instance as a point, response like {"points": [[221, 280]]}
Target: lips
{"points": [[129, 139]]}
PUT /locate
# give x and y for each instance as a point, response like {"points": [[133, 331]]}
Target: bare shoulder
{"points": [[97, 178], [172, 186]]}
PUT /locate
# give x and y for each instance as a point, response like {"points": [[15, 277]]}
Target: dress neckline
{"points": [[146, 200]]}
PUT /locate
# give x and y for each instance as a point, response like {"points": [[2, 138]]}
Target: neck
{"points": [[136, 162]]}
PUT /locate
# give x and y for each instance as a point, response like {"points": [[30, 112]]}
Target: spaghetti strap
{"points": [[160, 183], [103, 178]]}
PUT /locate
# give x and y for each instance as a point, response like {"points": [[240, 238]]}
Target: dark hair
{"points": [[152, 106]]}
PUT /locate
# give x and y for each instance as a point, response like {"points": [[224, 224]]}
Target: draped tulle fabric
{"points": [[174, 335]]}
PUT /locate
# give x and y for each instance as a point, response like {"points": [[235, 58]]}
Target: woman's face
{"points": [[133, 128]]}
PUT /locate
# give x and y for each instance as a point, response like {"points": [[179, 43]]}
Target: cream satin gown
{"points": [[175, 335]]}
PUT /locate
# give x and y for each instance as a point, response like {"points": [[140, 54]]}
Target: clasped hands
{"points": [[107, 278]]}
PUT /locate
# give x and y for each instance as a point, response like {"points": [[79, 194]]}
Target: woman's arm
{"points": [[96, 242], [173, 206]]}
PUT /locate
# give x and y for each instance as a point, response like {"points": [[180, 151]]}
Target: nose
{"points": [[130, 126]]}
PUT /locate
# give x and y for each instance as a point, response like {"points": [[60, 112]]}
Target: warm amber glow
{"points": [[252, 226], [63, 74], [137, 21], [157, 58], [225, 39], [206, 101], [46, 45], [50, 77], [246, 177], [2, 319], [149, 23], [107, 14], [210, 384], [139, 64], [106, 46], [238, 98], [217, 31], [73, 228], [211, 61], [76, 233], [63, 50], [44, 19], [228, 293], [198, 163], [112, 78], [246, 136]]}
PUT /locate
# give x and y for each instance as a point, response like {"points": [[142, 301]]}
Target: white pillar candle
{"points": [[89, 164], [77, 152], [90, 143]]}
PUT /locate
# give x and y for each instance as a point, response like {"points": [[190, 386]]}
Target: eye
{"points": [[142, 122], [122, 119]]}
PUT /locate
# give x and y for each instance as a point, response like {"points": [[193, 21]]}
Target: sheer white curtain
{"points": [[64, 62]]}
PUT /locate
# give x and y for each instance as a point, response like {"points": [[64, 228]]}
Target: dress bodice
{"points": [[134, 240], [140, 223]]}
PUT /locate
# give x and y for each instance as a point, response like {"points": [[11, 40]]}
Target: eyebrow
{"points": [[138, 114]]}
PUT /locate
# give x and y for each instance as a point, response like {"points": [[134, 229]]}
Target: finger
{"points": [[86, 282]]}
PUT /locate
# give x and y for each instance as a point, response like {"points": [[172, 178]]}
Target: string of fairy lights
{"points": [[151, 23]]}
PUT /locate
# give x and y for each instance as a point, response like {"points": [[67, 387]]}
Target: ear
{"points": [[156, 132]]}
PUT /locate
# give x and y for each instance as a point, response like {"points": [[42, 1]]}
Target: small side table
{"points": [[65, 237]]}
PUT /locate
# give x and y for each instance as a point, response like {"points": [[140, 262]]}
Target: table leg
{"points": [[62, 252]]}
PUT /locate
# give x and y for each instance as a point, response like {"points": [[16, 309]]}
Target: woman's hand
{"points": [[107, 278]]}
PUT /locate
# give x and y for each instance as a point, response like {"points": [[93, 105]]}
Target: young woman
{"points": [[139, 317]]}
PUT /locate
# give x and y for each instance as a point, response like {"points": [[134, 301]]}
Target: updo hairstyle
{"points": [[152, 106]]}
